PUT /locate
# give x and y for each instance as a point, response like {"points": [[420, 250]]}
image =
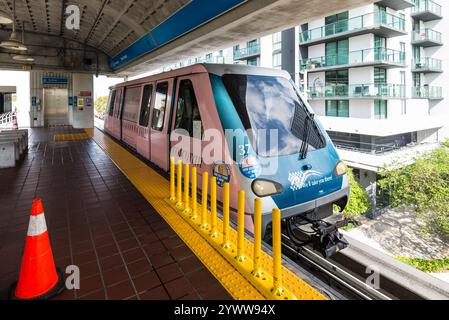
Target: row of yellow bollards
{"points": [[269, 285]]}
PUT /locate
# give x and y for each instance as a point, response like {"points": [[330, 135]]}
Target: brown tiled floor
{"points": [[98, 221]]}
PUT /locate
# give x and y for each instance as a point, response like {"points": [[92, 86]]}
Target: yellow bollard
{"points": [[257, 270], [241, 227], [194, 212], [204, 194], [172, 180], [226, 243], [213, 207], [277, 266], [186, 188], [178, 185]]}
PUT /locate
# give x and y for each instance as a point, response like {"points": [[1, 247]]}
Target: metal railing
{"points": [[356, 23], [247, 52], [426, 35], [422, 6], [371, 55], [427, 92], [6, 119], [370, 148], [374, 90], [427, 64]]}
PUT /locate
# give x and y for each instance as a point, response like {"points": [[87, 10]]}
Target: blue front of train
{"points": [[302, 173]]}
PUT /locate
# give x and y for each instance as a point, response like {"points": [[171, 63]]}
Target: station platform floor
{"points": [[98, 221]]}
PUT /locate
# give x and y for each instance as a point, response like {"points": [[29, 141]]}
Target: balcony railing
{"points": [[375, 90], [427, 92], [353, 24], [426, 35], [427, 64], [247, 52], [426, 6], [374, 55]]}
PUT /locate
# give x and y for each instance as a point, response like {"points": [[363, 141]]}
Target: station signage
{"points": [[191, 16], [54, 80]]}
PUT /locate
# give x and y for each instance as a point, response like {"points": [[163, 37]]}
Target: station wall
{"points": [[80, 92]]}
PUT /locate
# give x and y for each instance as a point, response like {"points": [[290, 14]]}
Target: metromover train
{"points": [[301, 174]]}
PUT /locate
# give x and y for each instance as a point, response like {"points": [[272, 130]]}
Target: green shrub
{"points": [[358, 199], [433, 265], [423, 185]]}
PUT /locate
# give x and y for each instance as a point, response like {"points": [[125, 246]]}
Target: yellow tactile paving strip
{"points": [[155, 189], [71, 137]]}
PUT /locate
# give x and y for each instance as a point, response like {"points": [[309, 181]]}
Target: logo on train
{"points": [[300, 179], [222, 173], [250, 167]]}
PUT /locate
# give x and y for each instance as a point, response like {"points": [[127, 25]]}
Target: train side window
{"points": [[160, 105], [145, 107], [187, 111], [112, 102]]}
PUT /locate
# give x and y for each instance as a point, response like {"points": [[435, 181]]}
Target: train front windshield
{"points": [[273, 110]]}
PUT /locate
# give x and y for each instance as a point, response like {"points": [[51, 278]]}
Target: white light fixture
{"points": [[13, 43], [23, 58], [5, 18]]}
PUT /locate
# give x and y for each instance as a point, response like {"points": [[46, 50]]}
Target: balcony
{"points": [[367, 57], [357, 91], [427, 65], [379, 23], [246, 53], [426, 10], [427, 38], [427, 92], [397, 4]]}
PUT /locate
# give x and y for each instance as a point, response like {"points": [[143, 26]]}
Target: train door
{"points": [[116, 116], [143, 128], [160, 122], [108, 119], [130, 112], [190, 118]]}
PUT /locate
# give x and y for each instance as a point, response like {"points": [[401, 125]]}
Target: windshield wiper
{"points": [[305, 137]]}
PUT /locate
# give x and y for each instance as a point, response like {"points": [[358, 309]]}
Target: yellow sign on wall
{"points": [[80, 103]]}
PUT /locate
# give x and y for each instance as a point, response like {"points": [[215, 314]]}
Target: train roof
{"points": [[218, 69]]}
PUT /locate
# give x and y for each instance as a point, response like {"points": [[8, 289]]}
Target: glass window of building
{"points": [[277, 41], [380, 75], [380, 109], [252, 62], [337, 52], [277, 60], [336, 23], [337, 108]]}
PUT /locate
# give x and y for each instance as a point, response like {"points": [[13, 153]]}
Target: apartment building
{"points": [[376, 75]]}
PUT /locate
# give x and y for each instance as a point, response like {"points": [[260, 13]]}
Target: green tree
{"points": [[358, 199], [423, 185], [101, 104]]}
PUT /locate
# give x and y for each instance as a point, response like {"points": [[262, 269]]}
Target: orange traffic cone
{"points": [[15, 125], [39, 278]]}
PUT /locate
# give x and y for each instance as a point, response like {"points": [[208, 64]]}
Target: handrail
{"points": [[246, 52], [354, 57], [7, 118], [358, 90], [359, 22], [428, 92], [427, 34], [427, 63], [427, 6]]}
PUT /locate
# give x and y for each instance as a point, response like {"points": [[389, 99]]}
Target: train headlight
{"points": [[265, 188], [340, 169]]}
